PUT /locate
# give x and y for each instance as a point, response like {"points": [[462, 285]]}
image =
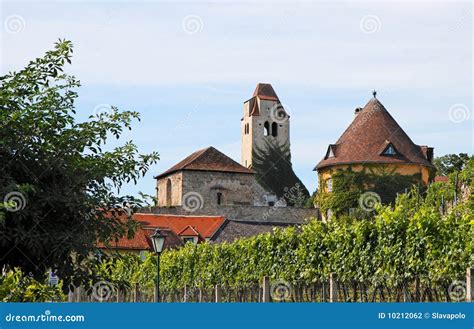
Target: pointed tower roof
{"points": [[368, 137], [265, 91], [208, 159]]}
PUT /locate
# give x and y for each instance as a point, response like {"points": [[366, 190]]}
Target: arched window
{"points": [[266, 129], [168, 192], [219, 197], [274, 129]]}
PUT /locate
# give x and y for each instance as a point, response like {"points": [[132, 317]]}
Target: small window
{"points": [[271, 203], [188, 240], [274, 129], [219, 198], [329, 185], [168, 192], [390, 150], [266, 129]]}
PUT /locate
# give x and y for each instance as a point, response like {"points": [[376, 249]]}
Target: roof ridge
{"points": [[207, 159]]}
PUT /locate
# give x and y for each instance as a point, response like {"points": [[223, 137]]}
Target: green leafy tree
{"points": [[275, 173], [57, 183], [450, 163]]}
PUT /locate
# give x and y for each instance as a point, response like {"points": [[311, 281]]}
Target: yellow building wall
{"points": [[402, 169]]}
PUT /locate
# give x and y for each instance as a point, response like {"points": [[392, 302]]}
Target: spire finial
{"points": [[374, 93]]}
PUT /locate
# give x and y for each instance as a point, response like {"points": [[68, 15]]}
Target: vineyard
{"points": [[413, 249]]}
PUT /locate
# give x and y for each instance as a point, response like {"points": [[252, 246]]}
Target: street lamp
{"points": [[157, 240]]}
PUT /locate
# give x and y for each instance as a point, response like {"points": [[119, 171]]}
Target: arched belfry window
{"points": [[274, 129], [168, 192], [266, 129]]}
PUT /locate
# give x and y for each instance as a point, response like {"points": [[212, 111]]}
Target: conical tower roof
{"points": [[375, 137]]}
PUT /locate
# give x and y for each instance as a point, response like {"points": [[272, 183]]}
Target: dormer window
{"points": [[330, 152], [390, 150]]}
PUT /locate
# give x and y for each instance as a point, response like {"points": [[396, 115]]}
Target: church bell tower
{"points": [[264, 120]]}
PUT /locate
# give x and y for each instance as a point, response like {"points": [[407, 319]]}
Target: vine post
{"points": [[332, 288], [218, 292], [469, 284], [266, 289]]}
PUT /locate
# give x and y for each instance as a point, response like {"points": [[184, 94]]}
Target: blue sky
{"points": [[187, 67]]}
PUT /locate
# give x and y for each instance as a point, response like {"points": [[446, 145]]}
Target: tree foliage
{"points": [[450, 163], [272, 164], [58, 183]]}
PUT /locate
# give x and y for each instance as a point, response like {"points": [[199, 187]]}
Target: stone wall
{"points": [[244, 212], [234, 188], [175, 181]]}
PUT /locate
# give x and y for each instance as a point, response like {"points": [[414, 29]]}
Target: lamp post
{"points": [[157, 240]]}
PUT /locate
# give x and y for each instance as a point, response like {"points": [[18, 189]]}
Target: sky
{"points": [[188, 66]]}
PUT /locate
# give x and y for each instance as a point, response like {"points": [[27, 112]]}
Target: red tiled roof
{"points": [[369, 134], [208, 159], [189, 231], [265, 91], [141, 240], [443, 179], [253, 107], [205, 226]]}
